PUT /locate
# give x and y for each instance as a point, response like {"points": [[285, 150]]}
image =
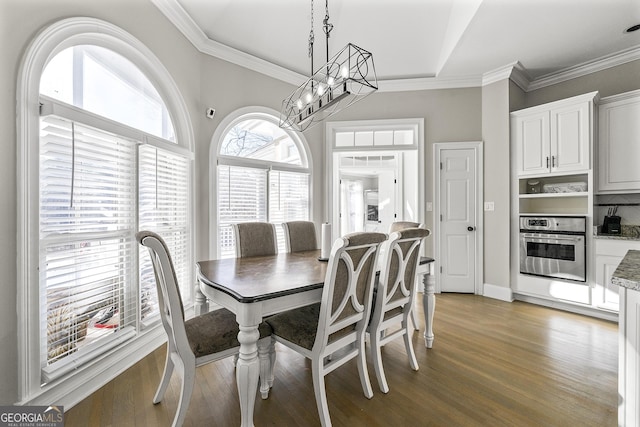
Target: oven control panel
{"points": [[577, 224]]}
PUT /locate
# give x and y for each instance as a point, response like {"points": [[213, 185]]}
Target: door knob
{"points": [[470, 228]]}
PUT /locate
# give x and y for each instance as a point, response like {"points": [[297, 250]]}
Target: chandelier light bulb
{"points": [[320, 89], [299, 104], [331, 81], [308, 97], [344, 71]]}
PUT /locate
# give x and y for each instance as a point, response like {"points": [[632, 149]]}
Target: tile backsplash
{"points": [[629, 215]]}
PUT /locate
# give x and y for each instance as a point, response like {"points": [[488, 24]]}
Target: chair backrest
{"points": [[397, 284], [401, 225], [169, 299], [299, 236], [346, 297], [255, 239]]}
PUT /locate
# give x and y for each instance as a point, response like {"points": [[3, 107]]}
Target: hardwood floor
{"points": [[493, 364]]}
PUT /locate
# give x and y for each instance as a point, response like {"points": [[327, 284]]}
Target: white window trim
{"points": [[246, 113], [331, 128], [53, 39]]}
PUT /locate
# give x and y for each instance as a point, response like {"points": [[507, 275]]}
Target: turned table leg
{"points": [[429, 305], [247, 372]]}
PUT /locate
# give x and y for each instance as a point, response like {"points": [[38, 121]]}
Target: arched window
{"points": [[109, 161], [263, 174]]}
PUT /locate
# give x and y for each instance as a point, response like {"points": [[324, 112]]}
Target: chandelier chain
{"points": [[311, 36]]}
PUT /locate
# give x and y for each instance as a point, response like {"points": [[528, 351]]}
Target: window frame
{"points": [[240, 115], [49, 42]]}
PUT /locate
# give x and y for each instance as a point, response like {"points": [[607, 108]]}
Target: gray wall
{"points": [[495, 134]]}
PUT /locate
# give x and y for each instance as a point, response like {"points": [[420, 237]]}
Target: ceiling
{"points": [[413, 41]]}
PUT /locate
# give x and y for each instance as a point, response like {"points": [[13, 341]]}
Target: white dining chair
{"points": [[192, 343], [336, 326], [299, 236], [401, 225], [395, 292]]}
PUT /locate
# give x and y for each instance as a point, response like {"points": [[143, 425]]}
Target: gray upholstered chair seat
{"points": [[216, 331], [298, 326]]}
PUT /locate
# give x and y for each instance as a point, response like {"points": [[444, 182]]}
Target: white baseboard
{"points": [[570, 307], [497, 292]]}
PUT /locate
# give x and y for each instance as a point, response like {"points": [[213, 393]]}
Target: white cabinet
{"points": [[629, 358], [619, 143], [608, 254], [554, 137]]}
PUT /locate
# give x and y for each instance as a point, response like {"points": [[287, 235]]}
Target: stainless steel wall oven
{"points": [[554, 247]]}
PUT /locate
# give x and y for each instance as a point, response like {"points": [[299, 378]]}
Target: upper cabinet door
{"points": [[554, 137], [570, 137], [531, 133], [619, 143]]}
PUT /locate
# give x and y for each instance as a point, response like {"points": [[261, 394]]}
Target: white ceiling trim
{"points": [[181, 19], [427, 83], [602, 63]]}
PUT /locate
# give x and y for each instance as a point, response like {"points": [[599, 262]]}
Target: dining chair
{"points": [[255, 239], [395, 292], [401, 225], [194, 342], [299, 236], [335, 326]]}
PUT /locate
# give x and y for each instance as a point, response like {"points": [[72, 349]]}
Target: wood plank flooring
{"points": [[493, 364]]}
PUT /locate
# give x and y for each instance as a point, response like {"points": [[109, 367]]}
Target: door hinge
{"points": [[440, 269], [440, 217], [440, 165], [395, 181]]}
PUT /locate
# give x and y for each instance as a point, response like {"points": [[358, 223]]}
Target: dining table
{"points": [[256, 287]]}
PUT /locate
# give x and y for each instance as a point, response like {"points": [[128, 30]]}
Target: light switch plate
{"points": [[429, 206], [489, 206]]}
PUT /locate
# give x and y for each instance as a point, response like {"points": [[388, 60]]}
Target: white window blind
{"points": [[87, 218], [288, 199], [97, 188], [242, 197], [164, 208]]}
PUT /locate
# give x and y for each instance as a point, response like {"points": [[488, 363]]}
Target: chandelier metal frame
{"points": [[346, 78]]}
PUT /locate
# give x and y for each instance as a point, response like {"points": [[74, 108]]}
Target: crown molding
{"points": [[181, 19], [589, 67], [427, 83]]}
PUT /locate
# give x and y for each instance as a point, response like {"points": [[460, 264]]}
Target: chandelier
{"points": [[346, 78]]}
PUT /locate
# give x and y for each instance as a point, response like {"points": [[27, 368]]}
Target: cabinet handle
{"points": [[547, 161], [553, 161]]}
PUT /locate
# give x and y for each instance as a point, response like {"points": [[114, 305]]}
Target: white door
{"points": [[387, 206], [457, 210]]}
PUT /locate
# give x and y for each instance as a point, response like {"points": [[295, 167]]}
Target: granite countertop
{"points": [[627, 274], [628, 232]]}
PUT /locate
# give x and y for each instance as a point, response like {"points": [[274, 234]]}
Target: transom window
{"points": [[262, 175]]}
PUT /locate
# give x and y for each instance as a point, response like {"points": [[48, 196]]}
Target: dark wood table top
{"points": [[260, 278]]}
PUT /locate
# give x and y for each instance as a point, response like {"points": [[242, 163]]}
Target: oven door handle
{"points": [[552, 237]]}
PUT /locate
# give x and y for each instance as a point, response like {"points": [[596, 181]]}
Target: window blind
{"points": [[87, 217], [164, 208], [288, 200], [242, 197]]}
